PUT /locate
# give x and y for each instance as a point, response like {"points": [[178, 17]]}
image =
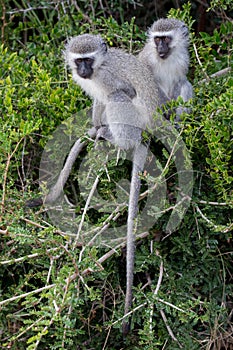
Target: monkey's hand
{"points": [[103, 132]]}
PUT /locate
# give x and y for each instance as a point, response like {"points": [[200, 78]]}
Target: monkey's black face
{"points": [[84, 67], [162, 44]]}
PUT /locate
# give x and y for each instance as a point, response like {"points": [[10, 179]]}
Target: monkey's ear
{"points": [[104, 47], [185, 30]]}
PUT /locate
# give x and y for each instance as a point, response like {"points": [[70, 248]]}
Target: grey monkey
{"points": [[166, 54], [125, 98], [117, 82]]}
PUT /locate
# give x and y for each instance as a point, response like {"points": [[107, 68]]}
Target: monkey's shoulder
{"points": [[120, 55], [127, 72], [125, 63]]}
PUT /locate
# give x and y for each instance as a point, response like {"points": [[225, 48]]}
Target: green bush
{"points": [[57, 293]]}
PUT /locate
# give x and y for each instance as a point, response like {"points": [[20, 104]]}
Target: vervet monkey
{"points": [[125, 99], [166, 54], [115, 80]]}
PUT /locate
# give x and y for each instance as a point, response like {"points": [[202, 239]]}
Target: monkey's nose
{"points": [[84, 75]]}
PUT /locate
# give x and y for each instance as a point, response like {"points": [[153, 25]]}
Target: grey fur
{"points": [[170, 73], [120, 82], [125, 98]]}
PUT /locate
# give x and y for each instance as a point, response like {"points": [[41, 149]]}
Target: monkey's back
{"points": [[136, 74]]}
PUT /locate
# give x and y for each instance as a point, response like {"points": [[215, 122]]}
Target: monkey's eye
{"points": [[77, 61], [157, 40], [89, 60], [167, 39]]}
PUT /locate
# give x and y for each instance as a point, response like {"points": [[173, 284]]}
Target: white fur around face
{"points": [[160, 34], [172, 69], [176, 36], [74, 55], [91, 87], [88, 85]]}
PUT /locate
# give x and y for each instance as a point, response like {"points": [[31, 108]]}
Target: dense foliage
{"points": [[59, 292]]}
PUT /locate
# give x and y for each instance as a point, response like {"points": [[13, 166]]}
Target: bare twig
{"points": [[33, 223], [86, 208], [87, 18], [216, 227], [112, 252], [172, 306], [199, 61], [214, 203], [26, 294], [29, 256], [144, 304], [18, 336], [13, 12], [169, 328], [216, 75], [129, 313], [159, 279], [156, 291]]}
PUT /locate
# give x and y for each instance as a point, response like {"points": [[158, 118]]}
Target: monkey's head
{"points": [[84, 53], [168, 34]]}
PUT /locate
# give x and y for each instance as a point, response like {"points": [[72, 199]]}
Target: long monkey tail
{"points": [[138, 165]]}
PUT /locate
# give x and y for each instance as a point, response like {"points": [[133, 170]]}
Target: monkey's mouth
{"points": [[163, 55], [84, 75]]}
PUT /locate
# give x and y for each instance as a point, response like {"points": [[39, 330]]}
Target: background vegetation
{"points": [[57, 295]]}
